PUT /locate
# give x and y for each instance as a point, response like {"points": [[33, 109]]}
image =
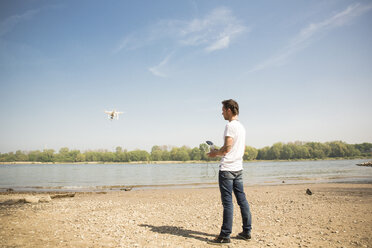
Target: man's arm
{"points": [[224, 149]]}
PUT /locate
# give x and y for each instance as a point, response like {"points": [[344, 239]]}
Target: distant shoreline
{"points": [[179, 162]]}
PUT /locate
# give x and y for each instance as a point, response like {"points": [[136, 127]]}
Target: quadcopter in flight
{"points": [[113, 114]]}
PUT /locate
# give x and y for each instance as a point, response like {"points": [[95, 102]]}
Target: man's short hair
{"points": [[232, 105]]}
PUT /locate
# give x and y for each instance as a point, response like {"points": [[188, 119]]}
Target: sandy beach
{"points": [[335, 215]]}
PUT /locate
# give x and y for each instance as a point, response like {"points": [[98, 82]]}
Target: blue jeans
{"points": [[233, 181]]}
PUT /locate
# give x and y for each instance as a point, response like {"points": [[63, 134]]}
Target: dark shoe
{"points": [[245, 236], [219, 241]]}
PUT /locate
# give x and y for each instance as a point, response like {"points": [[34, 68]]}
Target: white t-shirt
{"points": [[233, 160]]}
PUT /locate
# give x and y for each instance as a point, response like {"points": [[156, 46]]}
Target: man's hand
{"points": [[212, 153], [224, 150]]}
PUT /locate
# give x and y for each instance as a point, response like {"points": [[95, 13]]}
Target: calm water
{"points": [[113, 176]]}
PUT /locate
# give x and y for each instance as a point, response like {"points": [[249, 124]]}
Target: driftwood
{"points": [[369, 163], [62, 195], [27, 199], [127, 188]]}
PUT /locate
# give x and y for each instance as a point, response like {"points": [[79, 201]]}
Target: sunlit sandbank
{"points": [[335, 215]]}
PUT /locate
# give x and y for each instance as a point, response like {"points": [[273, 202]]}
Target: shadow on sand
{"points": [[179, 231]]}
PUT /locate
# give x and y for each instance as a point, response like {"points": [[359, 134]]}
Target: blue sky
{"points": [[300, 70]]}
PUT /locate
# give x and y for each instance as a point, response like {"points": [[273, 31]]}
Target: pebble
{"points": [[31, 199]]}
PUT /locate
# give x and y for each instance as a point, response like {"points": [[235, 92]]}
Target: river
{"points": [[103, 177]]}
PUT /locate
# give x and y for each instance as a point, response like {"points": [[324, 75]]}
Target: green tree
{"points": [[315, 150], [300, 151], [20, 156], [117, 155], [108, 157], [80, 157], [34, 156], [262, 153], [195, 154], [118, 149], [275, 150], [91, 156], [364, 148], [64, 155], [204, 149], [338, 149], [138, 155], [122, 156], [179, 154], [250, 153], [165, 156], [351, 151], [303, 152], [8, 157], [287, 152], [156, 153], [47, 156], [144, 155], [73, 156]]}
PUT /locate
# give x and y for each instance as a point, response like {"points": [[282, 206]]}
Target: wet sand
{"points": [[336, 215]]}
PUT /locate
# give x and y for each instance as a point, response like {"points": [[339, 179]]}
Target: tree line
{"points": [[278, 151]]}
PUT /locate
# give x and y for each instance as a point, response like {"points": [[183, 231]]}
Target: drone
{"points": [[113, 114]]}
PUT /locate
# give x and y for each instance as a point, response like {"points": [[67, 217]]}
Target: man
{"points": [[230, 175]]}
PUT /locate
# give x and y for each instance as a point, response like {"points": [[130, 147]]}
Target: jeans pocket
{"points": [[226, 175], [239, 175]]}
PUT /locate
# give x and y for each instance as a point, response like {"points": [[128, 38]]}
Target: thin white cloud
{"points": [[158, 70], [213, 32], [8, 24], [219, 44], [339, 19], [123, 44], [133, 41], [11, 22], [306, 36]]}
